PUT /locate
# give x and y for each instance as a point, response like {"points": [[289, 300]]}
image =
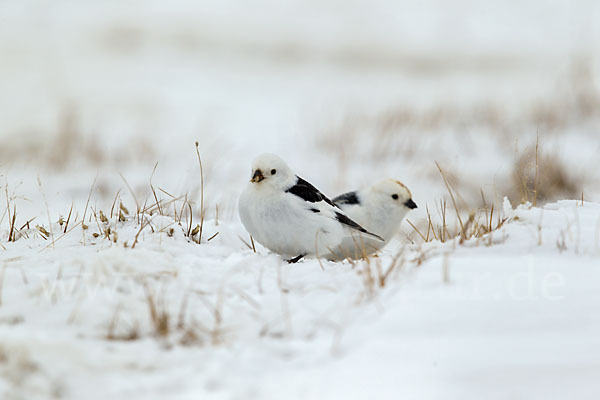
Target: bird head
{"points": [[271, 170], [394, 193]]}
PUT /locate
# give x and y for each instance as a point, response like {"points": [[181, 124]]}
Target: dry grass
{"points": [[70, 145], [165, 324], [116, 330], [159, 316], [480, 223], [542, 177], [375, 274], [409, 135], [576, 101], [100, 225]]}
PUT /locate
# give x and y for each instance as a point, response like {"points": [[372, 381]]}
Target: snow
{"points": [[514, 318], [101, 100]]}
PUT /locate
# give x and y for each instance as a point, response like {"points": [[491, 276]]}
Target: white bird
{"points": [[380, 209], [289, 216]]}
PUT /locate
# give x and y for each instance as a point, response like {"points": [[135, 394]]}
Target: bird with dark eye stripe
{"points": [[379, 209]]}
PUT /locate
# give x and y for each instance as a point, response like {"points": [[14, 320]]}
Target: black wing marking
{"points": [[347, 221], [308, 192], [347, 198]]}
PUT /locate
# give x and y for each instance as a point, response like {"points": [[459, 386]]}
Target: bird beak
{"points": [[410, 204], [257, 177]]}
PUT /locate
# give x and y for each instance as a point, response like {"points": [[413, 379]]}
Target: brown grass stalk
{"points": [[201, 193], [462, 227]]}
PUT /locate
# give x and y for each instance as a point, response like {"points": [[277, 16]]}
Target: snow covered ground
{"points": [[95, 94], [510, 317]]}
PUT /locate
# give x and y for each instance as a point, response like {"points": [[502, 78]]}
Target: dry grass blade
{"points": [[185, 200], [47, 210], [137, 205], [112, 208], [212, 237], [182, 310], [156, 200], [462, 227], [68, 219], [158, 317], [7, 209], [246, 243], [383, 277], [189, 231], [11, 233], [483, 198], [537, 168], [201, 193], [167, 193], [159, 206], [26, 224], [154, 191], [64, 234], [317, 251], [145, 222], [417, 230], [87, 203], [430, 227]]}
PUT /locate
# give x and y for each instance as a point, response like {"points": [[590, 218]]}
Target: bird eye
{"points": [[395, 196], [273, 171]]}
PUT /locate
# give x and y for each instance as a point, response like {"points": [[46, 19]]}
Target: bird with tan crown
{"points": [[379, 209]]}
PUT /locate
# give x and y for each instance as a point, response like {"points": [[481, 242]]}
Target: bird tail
{"points": [[372, 235], [344, 219]]}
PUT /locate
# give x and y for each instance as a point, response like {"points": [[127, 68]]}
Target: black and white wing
{"points": [[349, 198], [319, 203], [307, 192]]}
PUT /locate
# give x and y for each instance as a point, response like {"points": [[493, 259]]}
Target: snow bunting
{"points": [[289, 216], [380, 209]]}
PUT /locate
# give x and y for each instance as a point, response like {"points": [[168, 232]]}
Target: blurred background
{"points": [[348, 92]]}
